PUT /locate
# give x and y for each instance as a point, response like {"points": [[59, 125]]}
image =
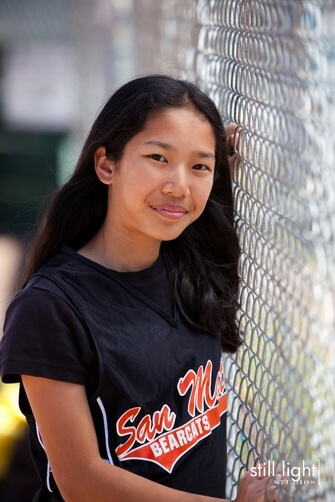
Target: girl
{"points": [[130, 296]]}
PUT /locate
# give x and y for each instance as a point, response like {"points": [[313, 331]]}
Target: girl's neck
{"points": [[119, 253]]}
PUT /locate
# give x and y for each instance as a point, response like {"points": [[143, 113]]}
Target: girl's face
{"points": [[163, 181]]}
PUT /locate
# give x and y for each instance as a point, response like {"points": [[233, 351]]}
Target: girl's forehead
{"points": [[176, 112], [178, 120], [177, 128]]}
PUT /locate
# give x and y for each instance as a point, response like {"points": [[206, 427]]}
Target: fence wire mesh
{"points": [[270, 68]]}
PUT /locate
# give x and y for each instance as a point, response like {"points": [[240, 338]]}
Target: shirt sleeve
{"points": [[44, 336]]}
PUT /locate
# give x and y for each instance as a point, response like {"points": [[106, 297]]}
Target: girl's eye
{"points": [[159, 158], [201, 167]]}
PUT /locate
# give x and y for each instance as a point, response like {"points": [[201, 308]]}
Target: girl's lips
{"points": [[169, 211]]}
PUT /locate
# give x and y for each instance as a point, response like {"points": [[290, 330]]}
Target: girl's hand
{"points": [[260, 488], [232, 135]]}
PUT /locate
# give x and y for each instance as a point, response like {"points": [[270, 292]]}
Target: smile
{"points": [[169, 211]]}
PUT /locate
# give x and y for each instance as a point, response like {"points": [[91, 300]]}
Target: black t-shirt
{"points": [[155, 386], [153, 283]]}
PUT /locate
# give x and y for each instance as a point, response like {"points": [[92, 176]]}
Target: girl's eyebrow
{"points": [[166, 146]]}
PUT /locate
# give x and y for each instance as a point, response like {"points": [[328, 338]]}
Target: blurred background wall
{"points": [[59, 61], [270, 67]]}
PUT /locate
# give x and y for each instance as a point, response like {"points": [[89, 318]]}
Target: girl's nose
{"points": [[178, 183]]}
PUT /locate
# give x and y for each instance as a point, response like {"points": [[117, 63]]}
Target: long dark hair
{"points": [[205, 255]]}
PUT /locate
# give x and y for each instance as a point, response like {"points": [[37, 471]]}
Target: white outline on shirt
{"points": [[104, 417], [48, 464]]}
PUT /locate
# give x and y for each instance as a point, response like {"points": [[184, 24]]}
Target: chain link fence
{"points": [[270, 67]]}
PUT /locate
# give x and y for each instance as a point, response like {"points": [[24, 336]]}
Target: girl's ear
{"points": [[103, 166]]}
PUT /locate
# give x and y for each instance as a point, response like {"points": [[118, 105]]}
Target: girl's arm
{"points": [[65, 423]]}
